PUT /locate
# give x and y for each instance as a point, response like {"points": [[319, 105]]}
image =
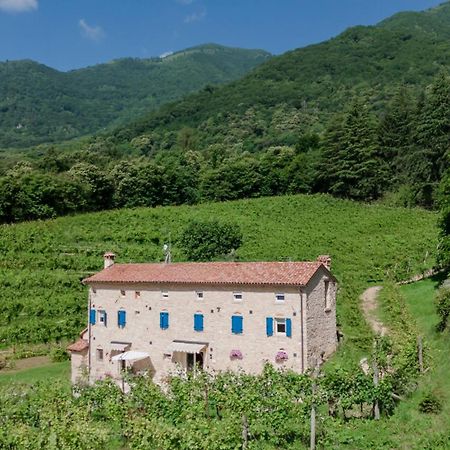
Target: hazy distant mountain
{"points": [[40, 104]]}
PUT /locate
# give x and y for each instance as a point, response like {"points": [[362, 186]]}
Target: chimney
{"points": [[108, 258], [325, 260]]}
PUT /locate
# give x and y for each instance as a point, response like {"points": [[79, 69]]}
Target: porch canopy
{"points": [[130, 356], [120, 346], [186, 347]]}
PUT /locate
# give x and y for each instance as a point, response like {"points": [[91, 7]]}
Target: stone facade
{"points": [[297, 320]]}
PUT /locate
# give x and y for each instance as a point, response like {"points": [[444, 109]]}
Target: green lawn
{"points": [[54, 371]]}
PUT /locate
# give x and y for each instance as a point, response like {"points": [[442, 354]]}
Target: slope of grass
{"points": [[42, 263], [408, 428], [54, 371]]}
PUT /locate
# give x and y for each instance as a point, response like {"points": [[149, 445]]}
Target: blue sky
{"points": [[67, 34]]}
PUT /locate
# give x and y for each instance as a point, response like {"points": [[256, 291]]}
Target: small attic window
{"points": [[165, 294], [199, 295], [122, 292], [279, 297], [237, 296]]}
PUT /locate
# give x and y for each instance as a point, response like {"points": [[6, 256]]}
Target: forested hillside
{"points": [[364, 116], [40, 104]]}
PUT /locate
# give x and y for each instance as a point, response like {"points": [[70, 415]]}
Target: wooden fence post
{"points": [[376, 408], [244, 432], [315, 374], [420, 353]]}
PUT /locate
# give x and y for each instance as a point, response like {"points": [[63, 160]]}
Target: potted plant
{"points": [[281, 356], [236, 354]]}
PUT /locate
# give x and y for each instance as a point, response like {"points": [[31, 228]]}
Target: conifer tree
{"points": [[433, 140], [351, 165]]}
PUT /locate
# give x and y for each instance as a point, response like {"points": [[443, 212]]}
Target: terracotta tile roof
{"points": [[78, 346], [260, 273]]}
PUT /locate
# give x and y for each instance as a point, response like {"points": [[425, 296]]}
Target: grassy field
{"points": [[42, 263], [54, 371]]}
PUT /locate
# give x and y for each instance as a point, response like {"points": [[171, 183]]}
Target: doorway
{"points": [[194, 361]]}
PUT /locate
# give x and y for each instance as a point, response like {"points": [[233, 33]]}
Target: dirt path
{"points": [[369, 300]]}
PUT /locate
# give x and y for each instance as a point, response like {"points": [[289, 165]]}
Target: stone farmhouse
{"points": [[164, 318]]}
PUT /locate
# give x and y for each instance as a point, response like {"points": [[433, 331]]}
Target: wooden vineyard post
{"points": [[376, 407], [420, 353], [315, 374], [244, 432]]}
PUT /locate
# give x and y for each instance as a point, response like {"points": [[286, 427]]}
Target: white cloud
{"points": [[95, 33], [195, 17], [166, 54], [18, 5]]}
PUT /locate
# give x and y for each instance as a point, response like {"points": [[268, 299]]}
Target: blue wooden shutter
{"points": [[121, 318], [106, 317], [288, 327], [236, 324], [92, 316], [198, 322], [164, 320], [269, 326]]}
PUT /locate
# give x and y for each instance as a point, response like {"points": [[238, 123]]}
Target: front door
{"points": [[194, 360]]}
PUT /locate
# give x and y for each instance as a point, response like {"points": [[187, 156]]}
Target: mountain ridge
{"points": [[41, 104]]}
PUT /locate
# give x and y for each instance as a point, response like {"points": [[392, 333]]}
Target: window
{"points": [[121, 318], [164, 294], [137, 294], [283, 326], [279, 297], [164, 320], [198, 322], [327, 295], [199, 295], [280, 326], [122, 292], [100, 354], [237, 296], [237, 324], [92, 316], [102, 317]]}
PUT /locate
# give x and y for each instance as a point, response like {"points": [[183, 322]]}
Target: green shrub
{"points": [[430, 404], [59, 354], [203, 241], [443, 307]]}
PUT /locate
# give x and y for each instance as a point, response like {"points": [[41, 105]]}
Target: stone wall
{"points": [[143, 304]]}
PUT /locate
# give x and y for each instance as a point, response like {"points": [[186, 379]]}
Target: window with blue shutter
{"points": [[288, 327], [92, 316], [121, 318], [164, 320], [269, 326], [198, 322], [237, 324], [102, 317]]}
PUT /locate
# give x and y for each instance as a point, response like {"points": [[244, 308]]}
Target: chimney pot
{"points": [[108, 259], [325, 260]]}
